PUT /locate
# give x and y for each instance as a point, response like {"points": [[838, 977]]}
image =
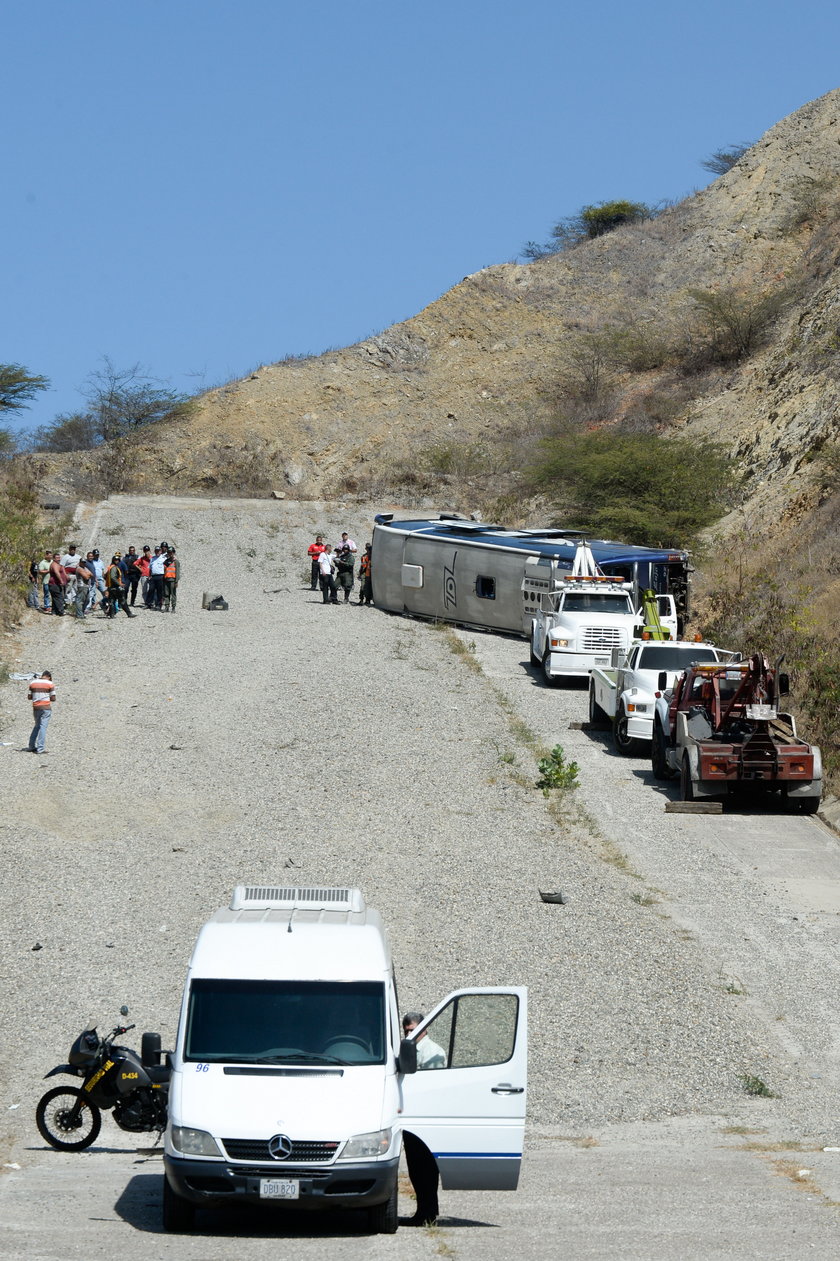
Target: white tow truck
{"points": [[624, 694], [584, 617]]}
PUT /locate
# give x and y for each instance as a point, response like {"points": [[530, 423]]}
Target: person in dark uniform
{"points": [[422, 1166]]}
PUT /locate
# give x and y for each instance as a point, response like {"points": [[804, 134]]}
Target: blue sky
{"points": [[201, 186]]}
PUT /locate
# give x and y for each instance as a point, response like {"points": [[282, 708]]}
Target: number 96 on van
{"points": [[279, 1189]]}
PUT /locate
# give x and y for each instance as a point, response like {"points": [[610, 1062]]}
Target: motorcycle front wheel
{"points": [[66, 1120]]}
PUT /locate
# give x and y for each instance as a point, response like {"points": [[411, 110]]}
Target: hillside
{"points": [[492, 356]]}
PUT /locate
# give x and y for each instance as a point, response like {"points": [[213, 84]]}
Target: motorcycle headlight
{"points": [[193, 1142], [362, 1146]]}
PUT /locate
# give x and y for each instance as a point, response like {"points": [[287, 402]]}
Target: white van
{"points": [[291, 1084]]}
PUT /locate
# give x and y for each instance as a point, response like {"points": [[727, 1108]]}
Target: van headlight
{"points": [[362, 1146], [193, 1142]]}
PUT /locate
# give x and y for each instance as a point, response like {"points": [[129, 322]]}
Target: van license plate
{"points": [[278, 1189]]}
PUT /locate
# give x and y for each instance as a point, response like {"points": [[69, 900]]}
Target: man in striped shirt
{"points": [[42, 695]]}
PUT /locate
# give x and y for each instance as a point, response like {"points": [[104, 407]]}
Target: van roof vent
{"points": [[249, 897]]}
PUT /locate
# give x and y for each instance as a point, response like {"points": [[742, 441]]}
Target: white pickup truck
{"points": [[580, 624], [625, 692]]}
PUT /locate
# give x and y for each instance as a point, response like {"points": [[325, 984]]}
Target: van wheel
{"points": [[382, 1218], [178, 1213], [686, 784]]}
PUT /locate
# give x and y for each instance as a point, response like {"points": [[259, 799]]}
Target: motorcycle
{"points": [[135, 1086]]}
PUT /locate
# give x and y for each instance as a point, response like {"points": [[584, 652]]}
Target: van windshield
{"points": [[286, 1022]]}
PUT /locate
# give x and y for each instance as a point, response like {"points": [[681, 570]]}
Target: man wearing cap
{"points": [[171, 578], [84, 582], [42, 695], [143, 565], [344, 561], [156, 567], [70, 560], [115, 582]]}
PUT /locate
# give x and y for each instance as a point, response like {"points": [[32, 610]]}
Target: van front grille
{"points": [[257, 1149]]}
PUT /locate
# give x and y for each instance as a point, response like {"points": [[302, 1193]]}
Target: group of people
{"points": [[70, 582], [334, 569]]}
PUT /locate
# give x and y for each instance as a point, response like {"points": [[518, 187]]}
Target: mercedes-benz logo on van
{"points": [[280, 1147]]}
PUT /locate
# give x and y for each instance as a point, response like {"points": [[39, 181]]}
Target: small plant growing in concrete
{"points": [[757, 1086], [556, 772]]}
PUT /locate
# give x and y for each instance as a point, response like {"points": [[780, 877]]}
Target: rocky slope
{"points": [[491, 354]]}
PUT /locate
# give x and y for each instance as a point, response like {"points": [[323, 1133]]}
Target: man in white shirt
{"points": [[326, 577], [346, 541], [156, 568], [70, 560]]}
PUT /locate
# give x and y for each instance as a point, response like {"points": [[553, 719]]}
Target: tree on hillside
{"points": [[119, 403], [17, 387], [639, 487], [723, 160], [588, 223]]}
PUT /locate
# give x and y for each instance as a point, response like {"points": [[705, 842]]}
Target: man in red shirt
{"points": [[42, 695], [315, 550], [57, 584]]}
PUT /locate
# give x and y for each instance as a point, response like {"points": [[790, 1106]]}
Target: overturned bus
{"points": [[452, 569]]}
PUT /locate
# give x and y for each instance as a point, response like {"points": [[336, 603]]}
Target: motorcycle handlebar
{"points": [[121, 1029]]}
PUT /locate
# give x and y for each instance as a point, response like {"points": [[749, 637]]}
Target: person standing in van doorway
{"points": [[422, 1167], [171, 578], [42, 695]]}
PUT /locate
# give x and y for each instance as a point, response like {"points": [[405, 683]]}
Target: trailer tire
{"points": [[686, 782], [658, 759], [550, 681]]}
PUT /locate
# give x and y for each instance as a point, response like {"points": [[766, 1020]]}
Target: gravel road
{"points": [[287, 742]]}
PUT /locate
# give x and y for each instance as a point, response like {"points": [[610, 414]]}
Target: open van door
{"points": [[467, 1100]]}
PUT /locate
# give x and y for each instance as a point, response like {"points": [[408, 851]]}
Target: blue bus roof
{"points": [[555, 544]]}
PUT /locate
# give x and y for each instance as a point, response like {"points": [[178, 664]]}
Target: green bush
{"points": [[637, 487], [588, 223], [730, 323]]}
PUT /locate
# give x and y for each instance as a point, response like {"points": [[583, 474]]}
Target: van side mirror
{"points": [[407, 1060], [662, 681], [784, 684]]}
